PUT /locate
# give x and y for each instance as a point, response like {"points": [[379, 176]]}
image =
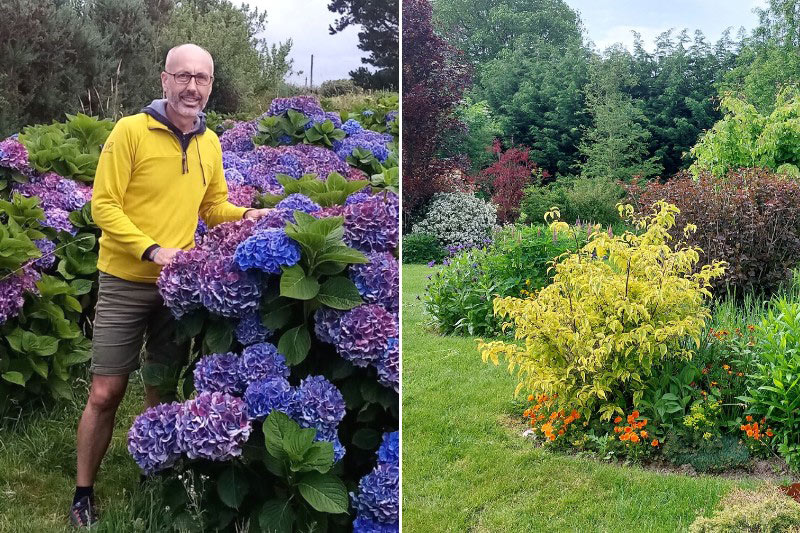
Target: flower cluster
{"points": [[153, 439], [364, 334], [227, 291], [242, 195], [178, 282], [298, 202], [378, 280], [213, 425], [753, 429], [389, 365], [307, 105], [218, 372], [249, 330], [268, 250], [48, 259], [268, 394], [239, 138], [372, 225], [13, 155], [628, 432], [261, 361], [458, 218], [12, 290], [546, 417], [375, 142], [378, 501], [352, 127]]}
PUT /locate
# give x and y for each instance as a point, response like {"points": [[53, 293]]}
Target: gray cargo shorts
{"points": [[127, 312]]}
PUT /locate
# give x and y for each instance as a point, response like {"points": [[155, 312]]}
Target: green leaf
{"points": [[276, 427], [277, 516], [366, 439], [42, 345], [15, 339], [295, 344], [219, 337], [339, 293], [330, 268], [275, 465], [280, 313], [297, 443], [38, 366], [81, 286], [14, 377], [232, 487], [59, 388], [324, 492], [319, 457], [343, 254], [295, 284], [303, 219]]}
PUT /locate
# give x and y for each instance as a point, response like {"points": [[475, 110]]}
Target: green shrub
{"points": [[765, 511], [337, 87], [774, 384], [585, 199], [419, 248], [458, 219], [459, 295]]}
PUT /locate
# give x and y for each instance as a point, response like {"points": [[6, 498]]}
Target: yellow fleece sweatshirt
{"points": [[145, 193]]}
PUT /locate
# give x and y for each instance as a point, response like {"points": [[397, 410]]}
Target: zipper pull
{"points": [[185, 165]]}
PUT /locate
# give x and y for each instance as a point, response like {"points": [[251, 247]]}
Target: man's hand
{"points": [[256, 213], [165, 255]]}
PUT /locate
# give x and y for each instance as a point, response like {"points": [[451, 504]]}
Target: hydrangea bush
{"points": [[458, 218]]}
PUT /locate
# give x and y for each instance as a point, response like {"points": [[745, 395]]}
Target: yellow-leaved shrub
{"points": [[616, 307]]}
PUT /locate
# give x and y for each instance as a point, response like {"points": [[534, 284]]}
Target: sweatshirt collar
{"points": [[158, 110]]}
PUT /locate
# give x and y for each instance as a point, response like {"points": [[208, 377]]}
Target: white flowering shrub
{"points": [[458, 218]]}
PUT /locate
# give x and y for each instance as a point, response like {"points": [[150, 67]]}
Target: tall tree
{"points": [[435, 77], [379, 36]]}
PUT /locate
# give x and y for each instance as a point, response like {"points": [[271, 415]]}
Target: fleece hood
{"points": [[158, 110]]}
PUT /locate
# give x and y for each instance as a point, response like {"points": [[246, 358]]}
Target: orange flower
{"points": [[726, 367], [530, 397], [751, 327], [644, 434], [618, 420], [617, 429], [634, 437], [749, 432], [628, 429], [624, 436], [631, 418], [654, 443], [644, 422], [740, 374], [748, 418], [561, 431], [770, 433], [551, 437], [635, 414]]}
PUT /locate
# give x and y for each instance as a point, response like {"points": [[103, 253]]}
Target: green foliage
{"points": [[337, 87], [332, 191], [70, 149], [422, 248], [766, 510], [717, 455], [273, 131], [773, 390], [593, 200], [482, 128], [747, 138], [459, 296], [616, 308]]}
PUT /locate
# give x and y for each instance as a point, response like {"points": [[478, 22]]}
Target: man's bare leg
{"points": [[97, 425]]}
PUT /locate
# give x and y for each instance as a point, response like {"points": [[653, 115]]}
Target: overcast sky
{"points": [[306, 23], [611, 21]]}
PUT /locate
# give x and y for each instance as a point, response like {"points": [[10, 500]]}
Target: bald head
{"points": [[183, 55]]}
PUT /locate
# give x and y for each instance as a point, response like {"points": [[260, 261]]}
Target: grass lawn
{"points": [[466, 468], [37, 472]]}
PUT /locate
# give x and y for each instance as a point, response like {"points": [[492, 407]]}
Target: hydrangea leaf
{"points": [[59, 388], [330, 268], [318, 457], [339, 293], [14, 377], [232, 487], [219, 337], [296, 284], [366, 438], [279, 313], [297, 442], [324, 492], [295, 344], [276, 427], [277, 516], [343, 254]]}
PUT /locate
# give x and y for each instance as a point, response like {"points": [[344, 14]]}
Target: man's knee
{"points": [[107, 392]]}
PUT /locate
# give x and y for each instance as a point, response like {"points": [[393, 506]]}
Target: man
{"points": [[157, 172]]}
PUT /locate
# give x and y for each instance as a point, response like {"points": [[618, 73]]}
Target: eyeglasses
{"points": [[183, 78]]}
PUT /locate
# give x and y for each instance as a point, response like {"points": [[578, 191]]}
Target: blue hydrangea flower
{"points": [[373, 225], [250, 330], [48, 259], [58, 219], [334, 117], [357, 197], [365, 333], [267, 250], [201, 231], [275, 218], [318, 404], [352, 127], [239, 138], [214, 426], [378, 496], [153, 438], [377, 143], [391, 116], [234, 178], [298, 202], [264, 395], [307, 105], [368, 112], [363, 524], [218, 372], [227, 291], [388, 366], [379, 280], [326, 324], [339, 450], [261, 361], [389, 452]]}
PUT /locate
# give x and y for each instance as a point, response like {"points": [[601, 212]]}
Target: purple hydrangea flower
{"points": [[389, 452], [222, 239], [13, 155], [295, 161], [55, 192], [357, 197], [307, 105], [239, 138], [218, 372], [264, 395], [200, 232], [326, 324], [232, 161], [379, 494], [234, 178], [275, 218], [179, 282], [391, 116], [373, 225], [334, 117], [365, 333], [48, 258], [227, 291], [261, 361], [267, 250], [377, 143], [242, 195], [58, 219], [153, 438], [388, 366], [250, 330], [363, 524], [318, 404], [213, 425], [298, 202], [352, 127], [13, 289], [379, 280]]}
